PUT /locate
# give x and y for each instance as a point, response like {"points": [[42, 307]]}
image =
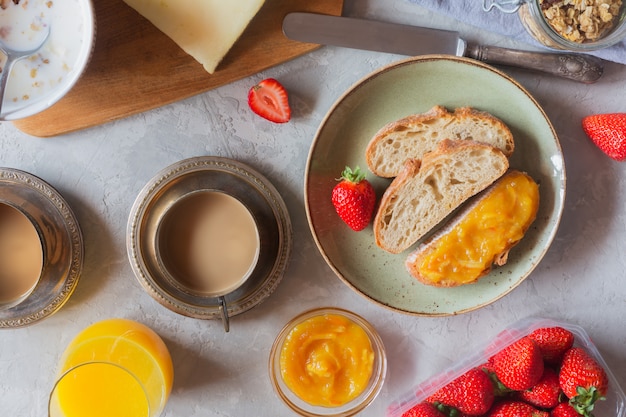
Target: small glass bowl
{"points": [[536, 23], [351, 408]]}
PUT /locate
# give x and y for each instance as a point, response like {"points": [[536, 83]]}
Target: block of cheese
{"points": [[205, 29]]}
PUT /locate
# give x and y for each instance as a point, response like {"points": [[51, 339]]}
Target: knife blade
{"points": [[411, 40]]}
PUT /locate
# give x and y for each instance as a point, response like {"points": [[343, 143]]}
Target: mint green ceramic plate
{"points": [[395, 91]]}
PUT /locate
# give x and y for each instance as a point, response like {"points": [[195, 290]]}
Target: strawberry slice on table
{"points": [[354, 199], [608, 132], [269, 100], [583, 380]]}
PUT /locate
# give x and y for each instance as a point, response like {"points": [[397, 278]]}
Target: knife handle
{"points": [[578, 67]]}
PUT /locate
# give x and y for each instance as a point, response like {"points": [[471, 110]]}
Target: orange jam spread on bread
{"points": [[327, 360], [486, 233]]}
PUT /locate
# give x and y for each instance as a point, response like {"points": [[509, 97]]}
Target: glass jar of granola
{"points": [[574, 25]]}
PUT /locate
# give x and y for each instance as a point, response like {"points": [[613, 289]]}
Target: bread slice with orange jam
{"points": [[415, 135], [427, 191], [481, 235]]}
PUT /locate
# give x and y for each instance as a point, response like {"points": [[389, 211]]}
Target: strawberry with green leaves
{"points": [[545, 393], [553, 342], [514, 408], [354, 199], [472, 393], [269, 100], [608, 132], [564, 410], [424, 409], [520, 365], [583, 380]]}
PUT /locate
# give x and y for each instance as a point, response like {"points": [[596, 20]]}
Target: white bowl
{"points": [[37, 82]]}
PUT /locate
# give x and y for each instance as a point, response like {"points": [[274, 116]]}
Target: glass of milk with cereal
{"points": [[39, 80]]}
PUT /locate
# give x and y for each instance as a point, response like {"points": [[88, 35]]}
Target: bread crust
{"points": [[428, 190], [415, 135], [415, 258]]}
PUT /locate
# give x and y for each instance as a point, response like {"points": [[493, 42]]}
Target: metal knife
{"points": [[413, 40]]}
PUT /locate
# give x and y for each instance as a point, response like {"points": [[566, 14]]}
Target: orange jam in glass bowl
{"points": [[328, 362]]}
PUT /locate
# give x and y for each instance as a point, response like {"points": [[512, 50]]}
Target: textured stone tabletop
{"points": [[101, 170]]}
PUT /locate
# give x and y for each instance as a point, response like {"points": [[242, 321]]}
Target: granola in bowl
{"points": [[570, 25], [581, 20]]}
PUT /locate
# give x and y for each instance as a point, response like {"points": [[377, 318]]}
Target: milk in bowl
{"points": [[40, 80]]}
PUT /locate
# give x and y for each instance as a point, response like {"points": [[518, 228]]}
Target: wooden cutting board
{"points": [[135, 67]]}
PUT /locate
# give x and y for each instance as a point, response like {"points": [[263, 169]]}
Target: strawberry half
{"points": [[354, 199], [269, 100], [608, 132]]}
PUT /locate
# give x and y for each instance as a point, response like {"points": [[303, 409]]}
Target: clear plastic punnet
{"points": [[613, 406]]}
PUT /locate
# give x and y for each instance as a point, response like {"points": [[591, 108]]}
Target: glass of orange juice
{"points": [[115, 367]]}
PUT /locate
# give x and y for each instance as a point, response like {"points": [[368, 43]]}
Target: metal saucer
{"points": [[209, 173], [62, 242]]}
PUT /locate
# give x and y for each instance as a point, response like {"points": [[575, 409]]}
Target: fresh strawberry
{"points": [[564, 410], [579, 369], [582, 379], [545, 393], [354, 198], [269, 100], [512, 408], [519, 366], [472, 393], [487, 366], [608, 132], [424, 409], [553, 342]]}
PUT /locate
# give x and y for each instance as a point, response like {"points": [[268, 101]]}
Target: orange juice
{"points": [[115, 367]]}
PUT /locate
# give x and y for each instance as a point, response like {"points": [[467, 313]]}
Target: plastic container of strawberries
{"points": [[613, 406]]}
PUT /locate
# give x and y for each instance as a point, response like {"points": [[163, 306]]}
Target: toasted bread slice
{"points": [[427, 191], [481, 235], [415, 135]]}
